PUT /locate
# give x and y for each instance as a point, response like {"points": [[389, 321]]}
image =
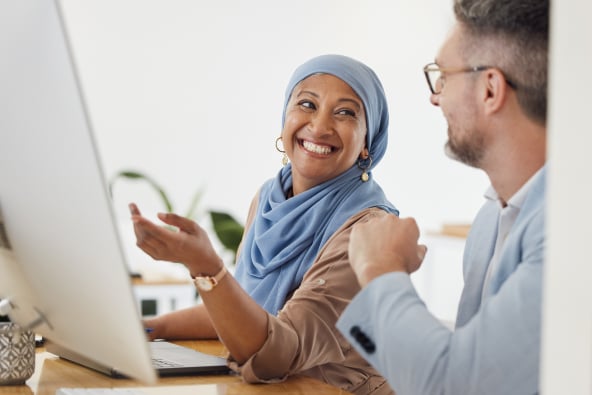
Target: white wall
{"points": [[192, 92], [567, 334]]}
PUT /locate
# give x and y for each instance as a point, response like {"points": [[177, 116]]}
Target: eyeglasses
{"points": [[433, 74]]}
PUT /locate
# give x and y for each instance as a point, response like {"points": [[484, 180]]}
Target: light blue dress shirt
{"points": [[495, 347]]}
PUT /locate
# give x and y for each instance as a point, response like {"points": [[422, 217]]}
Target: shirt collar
{"points": [[519, 197]]}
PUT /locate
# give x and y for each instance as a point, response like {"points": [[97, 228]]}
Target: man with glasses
{"points": [[490, 81]]}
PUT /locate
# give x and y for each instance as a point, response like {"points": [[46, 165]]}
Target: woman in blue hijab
{"points": [[277, 315]]}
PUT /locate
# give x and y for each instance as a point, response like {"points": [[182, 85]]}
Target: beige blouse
{"points": [[303, 338]]}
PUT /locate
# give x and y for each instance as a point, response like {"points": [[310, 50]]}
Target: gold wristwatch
{"points": [[207, 283]]}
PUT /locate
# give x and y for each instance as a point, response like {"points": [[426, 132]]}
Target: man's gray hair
{"points": [[512, 35]]}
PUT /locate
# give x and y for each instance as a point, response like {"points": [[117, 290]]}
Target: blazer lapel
{"points": [[481, 243], [512, 254], [478, 252]]}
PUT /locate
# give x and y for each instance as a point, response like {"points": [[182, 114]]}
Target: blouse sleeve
{"points": [[303, 334]]}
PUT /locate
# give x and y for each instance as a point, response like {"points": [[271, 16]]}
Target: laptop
{"points": [[168, 359]]}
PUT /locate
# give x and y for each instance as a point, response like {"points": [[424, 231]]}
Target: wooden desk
{"points": [[52, 373]]}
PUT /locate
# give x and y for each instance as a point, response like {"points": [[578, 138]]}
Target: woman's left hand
{"points": [[188, 243]]}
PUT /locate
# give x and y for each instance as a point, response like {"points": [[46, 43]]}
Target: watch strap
{"points": [[214, 280]]}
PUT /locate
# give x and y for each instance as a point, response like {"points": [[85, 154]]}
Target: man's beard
{"points": [[469, 151]]}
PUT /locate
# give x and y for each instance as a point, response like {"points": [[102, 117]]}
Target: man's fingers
{"points": [[422, 250]]}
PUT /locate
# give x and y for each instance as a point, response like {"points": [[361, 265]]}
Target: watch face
{"points": [[204, 283]]}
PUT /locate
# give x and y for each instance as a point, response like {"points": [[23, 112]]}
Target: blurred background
{"points": [[191, 93]]}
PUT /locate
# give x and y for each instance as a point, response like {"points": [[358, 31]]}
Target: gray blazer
{"points": [[496, 344]]}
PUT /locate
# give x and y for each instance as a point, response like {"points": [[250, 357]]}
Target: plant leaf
{"points": [[135, 175], [228, 230], [191, 211]]}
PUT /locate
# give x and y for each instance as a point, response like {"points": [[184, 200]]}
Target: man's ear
{"points": [[496, 90]]}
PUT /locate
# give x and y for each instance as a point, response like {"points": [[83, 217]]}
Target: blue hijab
{"points": [[288, 233]]}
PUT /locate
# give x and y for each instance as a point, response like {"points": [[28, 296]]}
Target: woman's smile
{"points": [[320, 149]]}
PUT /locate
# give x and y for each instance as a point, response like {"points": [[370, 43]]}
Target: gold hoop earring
{"points": [[364, 165], [284, 157]]}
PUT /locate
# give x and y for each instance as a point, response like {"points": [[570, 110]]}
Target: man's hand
{"points": [[385, 244]]}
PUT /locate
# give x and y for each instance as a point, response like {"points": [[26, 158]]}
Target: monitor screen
{"points": [[62, 265]]}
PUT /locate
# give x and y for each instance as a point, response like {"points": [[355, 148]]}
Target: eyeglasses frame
{"points": [[454, 70]]}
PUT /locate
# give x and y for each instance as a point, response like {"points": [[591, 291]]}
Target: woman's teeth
{"points": [[317, 149]]}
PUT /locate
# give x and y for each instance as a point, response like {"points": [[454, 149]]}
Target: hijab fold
{"points": [[288, 233]]}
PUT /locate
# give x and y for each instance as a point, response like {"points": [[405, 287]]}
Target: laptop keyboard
{"points": [[164, 363]]}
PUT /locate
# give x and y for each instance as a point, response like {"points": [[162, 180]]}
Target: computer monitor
{"points": [[62, 265]]}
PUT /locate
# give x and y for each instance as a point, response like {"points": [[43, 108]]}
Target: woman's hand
{"points": [[151, 328], [187, 244]]}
